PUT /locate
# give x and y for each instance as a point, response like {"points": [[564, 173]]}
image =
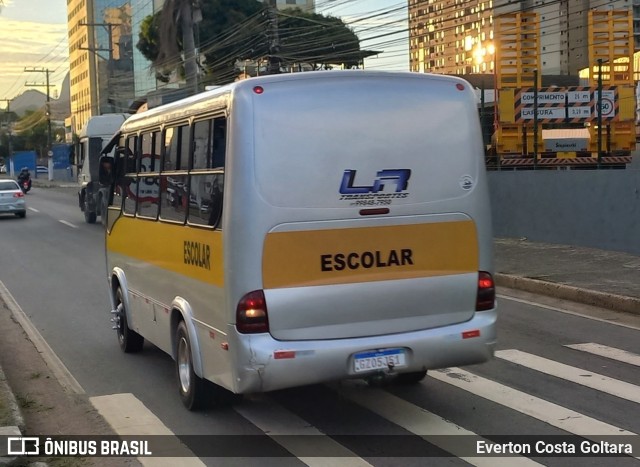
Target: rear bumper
{"points": [[309, 362], [15, 208]]}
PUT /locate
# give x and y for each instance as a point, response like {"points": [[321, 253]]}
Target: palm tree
{"points": [[186, 13]]}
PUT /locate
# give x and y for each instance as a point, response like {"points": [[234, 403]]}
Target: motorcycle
{"points": [[25, 183]]}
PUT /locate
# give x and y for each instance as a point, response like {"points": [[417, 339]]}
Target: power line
{"points": [[48, 105]]}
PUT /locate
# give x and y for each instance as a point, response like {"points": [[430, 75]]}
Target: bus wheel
{"points": [[130, 341], [192, 387], [411, 378]]}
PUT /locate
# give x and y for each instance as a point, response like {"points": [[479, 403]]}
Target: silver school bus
{"points": [[302, 228]]}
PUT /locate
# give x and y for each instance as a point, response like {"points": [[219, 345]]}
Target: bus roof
{"points": [[201, 102]]}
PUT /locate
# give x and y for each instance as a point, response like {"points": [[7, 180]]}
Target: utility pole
{"points": [[535, 119], [109, 28], [190, 16], [48, 108], [599, 108], [8, 111], [274, 38]]}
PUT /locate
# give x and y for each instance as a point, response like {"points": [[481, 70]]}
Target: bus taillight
{"points": [[486, 297], [251, 313]]}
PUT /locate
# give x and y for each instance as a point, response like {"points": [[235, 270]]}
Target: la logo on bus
{"points": [[400, 177], [389, 184]]}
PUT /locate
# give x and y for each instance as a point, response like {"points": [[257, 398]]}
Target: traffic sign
{"points": [[607, 103]]}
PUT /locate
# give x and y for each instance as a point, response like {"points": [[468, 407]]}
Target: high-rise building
{"points": [[457, 36], [107, 71], [144, 74], [101, 47]]}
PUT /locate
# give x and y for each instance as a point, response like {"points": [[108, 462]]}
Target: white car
{"points": [[12, 198]]}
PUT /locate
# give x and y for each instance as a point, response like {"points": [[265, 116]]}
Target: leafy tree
{"points": [[31, 133], [318, 40], [233, 30], [6, 121], [162, 38], [178, 16]]}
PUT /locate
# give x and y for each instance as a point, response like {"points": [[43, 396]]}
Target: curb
{"points": [[13, 419], [54, 184], [14, 413], [571, 293]]}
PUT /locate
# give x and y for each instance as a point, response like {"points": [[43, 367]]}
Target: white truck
{"points": [[95, 134]]}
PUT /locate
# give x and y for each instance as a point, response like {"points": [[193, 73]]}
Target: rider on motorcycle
{"points": [[24, 176]]}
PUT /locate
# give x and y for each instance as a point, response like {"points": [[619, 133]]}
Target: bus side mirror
{"points": [[106, 172]]}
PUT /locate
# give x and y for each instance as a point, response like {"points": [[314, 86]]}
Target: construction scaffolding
{"points": [[603, 113]]}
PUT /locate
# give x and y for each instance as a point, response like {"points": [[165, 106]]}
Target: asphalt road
{"points": [[53, 265]]}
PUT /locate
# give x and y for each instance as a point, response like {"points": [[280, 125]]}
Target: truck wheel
{"points": [[90, 217], [103, 210], [130, 341], [192, 388]]}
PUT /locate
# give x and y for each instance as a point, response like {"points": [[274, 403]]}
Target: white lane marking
{"points": [[568, 312], [275, 420], [68, 224], [33, 209], [128, 416], [540, 409], [431, 427], [59, 370], [623, 356], [586, 378]]}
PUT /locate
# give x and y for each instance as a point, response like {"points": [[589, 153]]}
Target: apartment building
{"points": [[107, 71], [457, 36], [101, 51]]}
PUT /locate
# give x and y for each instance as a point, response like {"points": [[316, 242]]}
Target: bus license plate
{"points": [[377, 360]]}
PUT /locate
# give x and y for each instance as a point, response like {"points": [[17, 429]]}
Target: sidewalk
{"points": [[605, 279]]}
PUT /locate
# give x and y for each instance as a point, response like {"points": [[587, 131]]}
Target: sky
{"points": [[381, 25], [33, 35]]}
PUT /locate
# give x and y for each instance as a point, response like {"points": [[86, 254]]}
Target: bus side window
{"points": [[174, 176], [117, 198], [130, 180], [219, 141], [205, 186], [148, 185]]}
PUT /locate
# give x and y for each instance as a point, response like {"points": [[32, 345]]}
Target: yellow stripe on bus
{"points": [[341, 256], [193, 252]]}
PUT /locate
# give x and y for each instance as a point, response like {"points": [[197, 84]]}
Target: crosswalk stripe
{"points": [[278, 422], [540, 409], [585, 378], [429, 426], [127, 415], [608, 352]]}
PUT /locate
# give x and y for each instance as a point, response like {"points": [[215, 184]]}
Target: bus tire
{"points": [[413, 377], [192, 388], [130, 341]]}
